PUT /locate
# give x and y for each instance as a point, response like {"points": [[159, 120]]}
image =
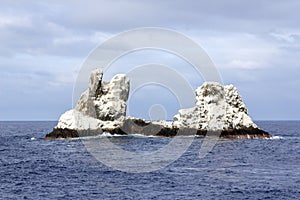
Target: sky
{"points": [[255, 45]]}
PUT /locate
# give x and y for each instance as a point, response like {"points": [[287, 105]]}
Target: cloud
{"points": [[43, 44], [239, 50]]}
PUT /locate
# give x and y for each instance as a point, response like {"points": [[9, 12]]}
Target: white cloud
{"points": [[245, 64], [289, 36], [239, 50], [23, 21]]}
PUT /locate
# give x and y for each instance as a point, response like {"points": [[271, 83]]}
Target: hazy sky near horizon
{"points": [[255, 45]]}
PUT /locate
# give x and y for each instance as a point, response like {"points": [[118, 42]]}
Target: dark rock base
{"points": [[59, 133], [245, 133], [137, 126]]}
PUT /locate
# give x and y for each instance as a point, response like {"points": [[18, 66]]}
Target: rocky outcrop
{"points": [[102, 107], [105, 101], [217, 108]]}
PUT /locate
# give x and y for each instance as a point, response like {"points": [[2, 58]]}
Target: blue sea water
{"points": [[34, 168]]}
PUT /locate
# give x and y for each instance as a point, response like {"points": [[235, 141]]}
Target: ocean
{"points": [[34, 168]]}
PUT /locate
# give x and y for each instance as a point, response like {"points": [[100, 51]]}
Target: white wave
{"points": [[141, 135], [107, 134], [83, 138], [276, 137], [104, 134]]}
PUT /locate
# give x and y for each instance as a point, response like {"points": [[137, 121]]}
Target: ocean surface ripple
{"points": [[34, 168]]}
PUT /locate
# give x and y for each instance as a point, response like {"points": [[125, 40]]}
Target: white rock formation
{"points": [[217, 108], [236, 111], [101, 106]]}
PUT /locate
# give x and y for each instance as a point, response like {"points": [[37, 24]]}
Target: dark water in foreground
{"points": [[33, 168]]}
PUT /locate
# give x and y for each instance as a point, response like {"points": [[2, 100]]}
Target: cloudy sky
{"points": [[254, 44]]}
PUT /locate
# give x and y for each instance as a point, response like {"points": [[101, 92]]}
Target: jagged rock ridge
{"points": [[217, 107], [101, 106]]}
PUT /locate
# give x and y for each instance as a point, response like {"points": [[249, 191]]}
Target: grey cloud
{"points": [[52, 20], [219, 15], [55, 36]]}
